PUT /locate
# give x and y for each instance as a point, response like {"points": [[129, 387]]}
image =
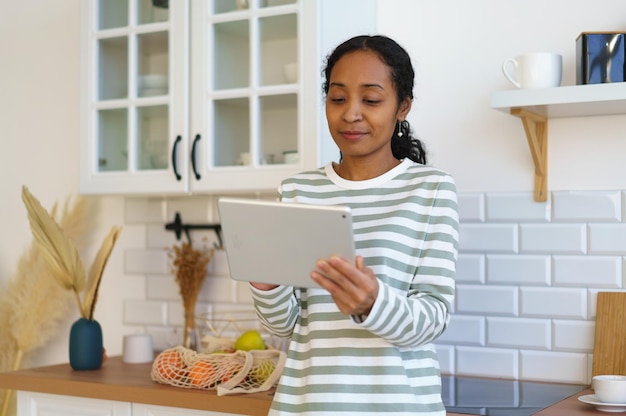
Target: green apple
{"points": [[260, 373], [250, 340]]}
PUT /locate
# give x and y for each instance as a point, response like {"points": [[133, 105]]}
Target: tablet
{"points": [[279, 243]]}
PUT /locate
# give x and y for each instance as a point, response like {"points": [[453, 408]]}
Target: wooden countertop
{"points": [[132, 383], [571, 407]]}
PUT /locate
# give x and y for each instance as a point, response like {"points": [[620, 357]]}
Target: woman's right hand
{"points": [[263, 286]]}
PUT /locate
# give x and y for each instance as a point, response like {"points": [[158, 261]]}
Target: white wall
{"points": [[39, 136], [39, 68], [457, 47]]}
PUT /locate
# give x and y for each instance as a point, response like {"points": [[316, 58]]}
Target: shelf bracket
{"points": [[536, 128]]}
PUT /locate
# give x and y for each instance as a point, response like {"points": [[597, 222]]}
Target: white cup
{"points": [[610, 389], [137, 349], [534, 70]]}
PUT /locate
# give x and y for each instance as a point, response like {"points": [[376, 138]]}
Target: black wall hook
{"points": [[178, 227]]}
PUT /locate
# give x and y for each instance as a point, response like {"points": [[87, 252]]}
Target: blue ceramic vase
{"points": [[86, 345]]}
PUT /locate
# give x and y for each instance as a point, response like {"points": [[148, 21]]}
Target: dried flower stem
{"points": [[190, 268]]}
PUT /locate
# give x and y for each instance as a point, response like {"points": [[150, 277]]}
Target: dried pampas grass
{"points": [[33, 304], [63, 258]]}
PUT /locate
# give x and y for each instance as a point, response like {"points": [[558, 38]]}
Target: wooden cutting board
{"points": [[609, 349]]}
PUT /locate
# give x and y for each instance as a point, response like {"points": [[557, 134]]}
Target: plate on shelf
{"points": [[603, 407]]}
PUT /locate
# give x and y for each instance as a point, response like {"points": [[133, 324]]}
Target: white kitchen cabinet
{"points": [[152, 410], [193, 96], [42, 404]]}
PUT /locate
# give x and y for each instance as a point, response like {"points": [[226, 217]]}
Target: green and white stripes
{"points": [[406, 228]]}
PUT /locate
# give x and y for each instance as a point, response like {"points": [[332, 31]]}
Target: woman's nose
{"points": [[352, 113]]}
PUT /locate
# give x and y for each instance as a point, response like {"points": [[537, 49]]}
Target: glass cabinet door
{"points": [[278, 65], [254, 85], [185, 96], [248, 94], [134, 46]]}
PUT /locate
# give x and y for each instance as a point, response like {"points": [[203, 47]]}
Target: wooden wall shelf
{"points": [[536, 106]]}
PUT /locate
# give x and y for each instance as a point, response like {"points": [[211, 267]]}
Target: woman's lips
{"points": [[352, 135]]}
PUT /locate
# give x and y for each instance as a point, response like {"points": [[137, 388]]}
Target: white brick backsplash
{"points": [[593, 300], [218, 289], [518, 332], [160, 238], [471, 207], [554, 366], [573, 335], [498, 300], [470, 268], [527, 278], [445, 354], [164, 337], [243, 294], [132, 236], [587, 206], [143, 312], [496, 238], [519, 270], [144, 210], [487, 362], [176, 313], [469, 330], [607, 239], [553, 238], [227, 308], [518, 207], [193, 209], [153, 261], [554, 302], [219, 264], [583, 271], [162, 287]]}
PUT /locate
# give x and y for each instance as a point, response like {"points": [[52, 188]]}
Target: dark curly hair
{"points": [[402, 77]]}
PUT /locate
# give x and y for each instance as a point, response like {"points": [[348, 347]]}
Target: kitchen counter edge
{"points": [[131, 383]]}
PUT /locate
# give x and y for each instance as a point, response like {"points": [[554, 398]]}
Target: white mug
{"points": [[534, 70], [137, 349]]}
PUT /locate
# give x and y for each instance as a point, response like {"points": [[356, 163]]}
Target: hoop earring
{"points": [[400, 134]]}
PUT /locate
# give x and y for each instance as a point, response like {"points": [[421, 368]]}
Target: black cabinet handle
{"points": [[193, 156], [174, 152]]}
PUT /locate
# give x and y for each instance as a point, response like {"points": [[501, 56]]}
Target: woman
{"points": [[363, 344]]}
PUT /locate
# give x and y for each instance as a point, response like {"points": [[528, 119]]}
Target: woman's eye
{"points": [[372, 102], [336, 99]]}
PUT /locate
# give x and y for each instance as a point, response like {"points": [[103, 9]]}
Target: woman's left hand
{"points": [[353, 287]]}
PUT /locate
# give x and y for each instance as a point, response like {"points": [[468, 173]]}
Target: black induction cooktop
{"points": [[501, 397]]}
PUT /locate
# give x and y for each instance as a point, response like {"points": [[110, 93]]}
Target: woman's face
{"points": [[362, 106]]}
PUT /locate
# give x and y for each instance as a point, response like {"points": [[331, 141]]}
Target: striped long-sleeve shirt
{"points": [[406, 228]]}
